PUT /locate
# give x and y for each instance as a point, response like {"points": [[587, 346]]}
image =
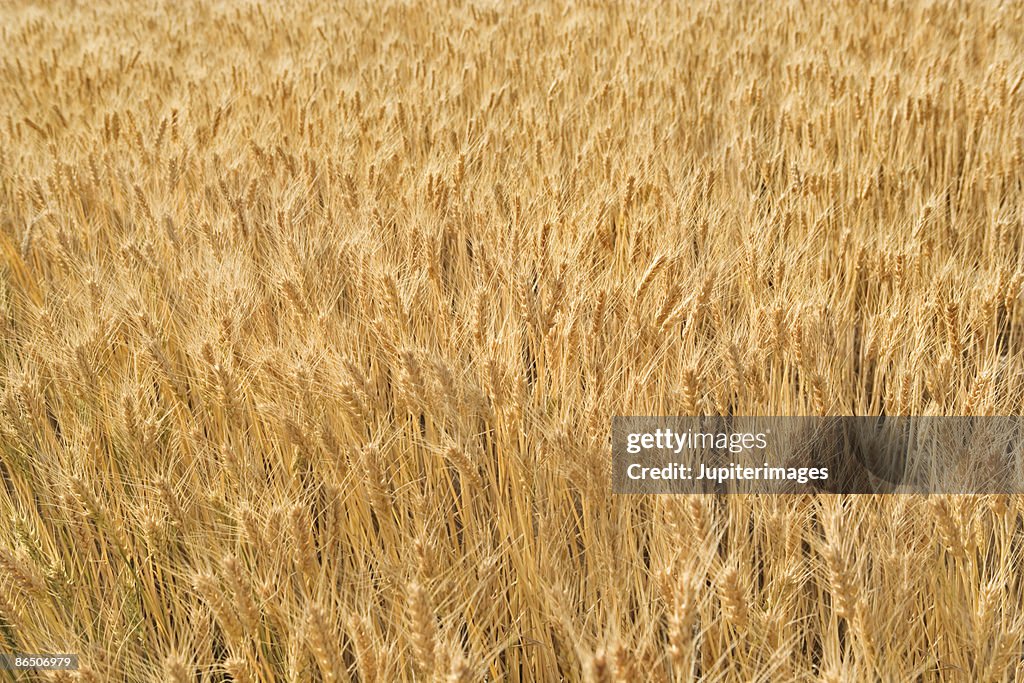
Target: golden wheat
{"points": [[313, 319]]}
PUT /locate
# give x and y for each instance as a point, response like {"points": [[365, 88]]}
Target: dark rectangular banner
{"points": [[737, 454]]}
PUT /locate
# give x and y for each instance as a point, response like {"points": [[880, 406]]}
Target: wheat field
{"points": [[313, 319]]}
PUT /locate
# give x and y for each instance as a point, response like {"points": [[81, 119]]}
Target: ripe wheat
{"points": [[313, 318]]}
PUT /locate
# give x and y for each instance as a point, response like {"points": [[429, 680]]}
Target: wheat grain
{"points": [[313, 320]]}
